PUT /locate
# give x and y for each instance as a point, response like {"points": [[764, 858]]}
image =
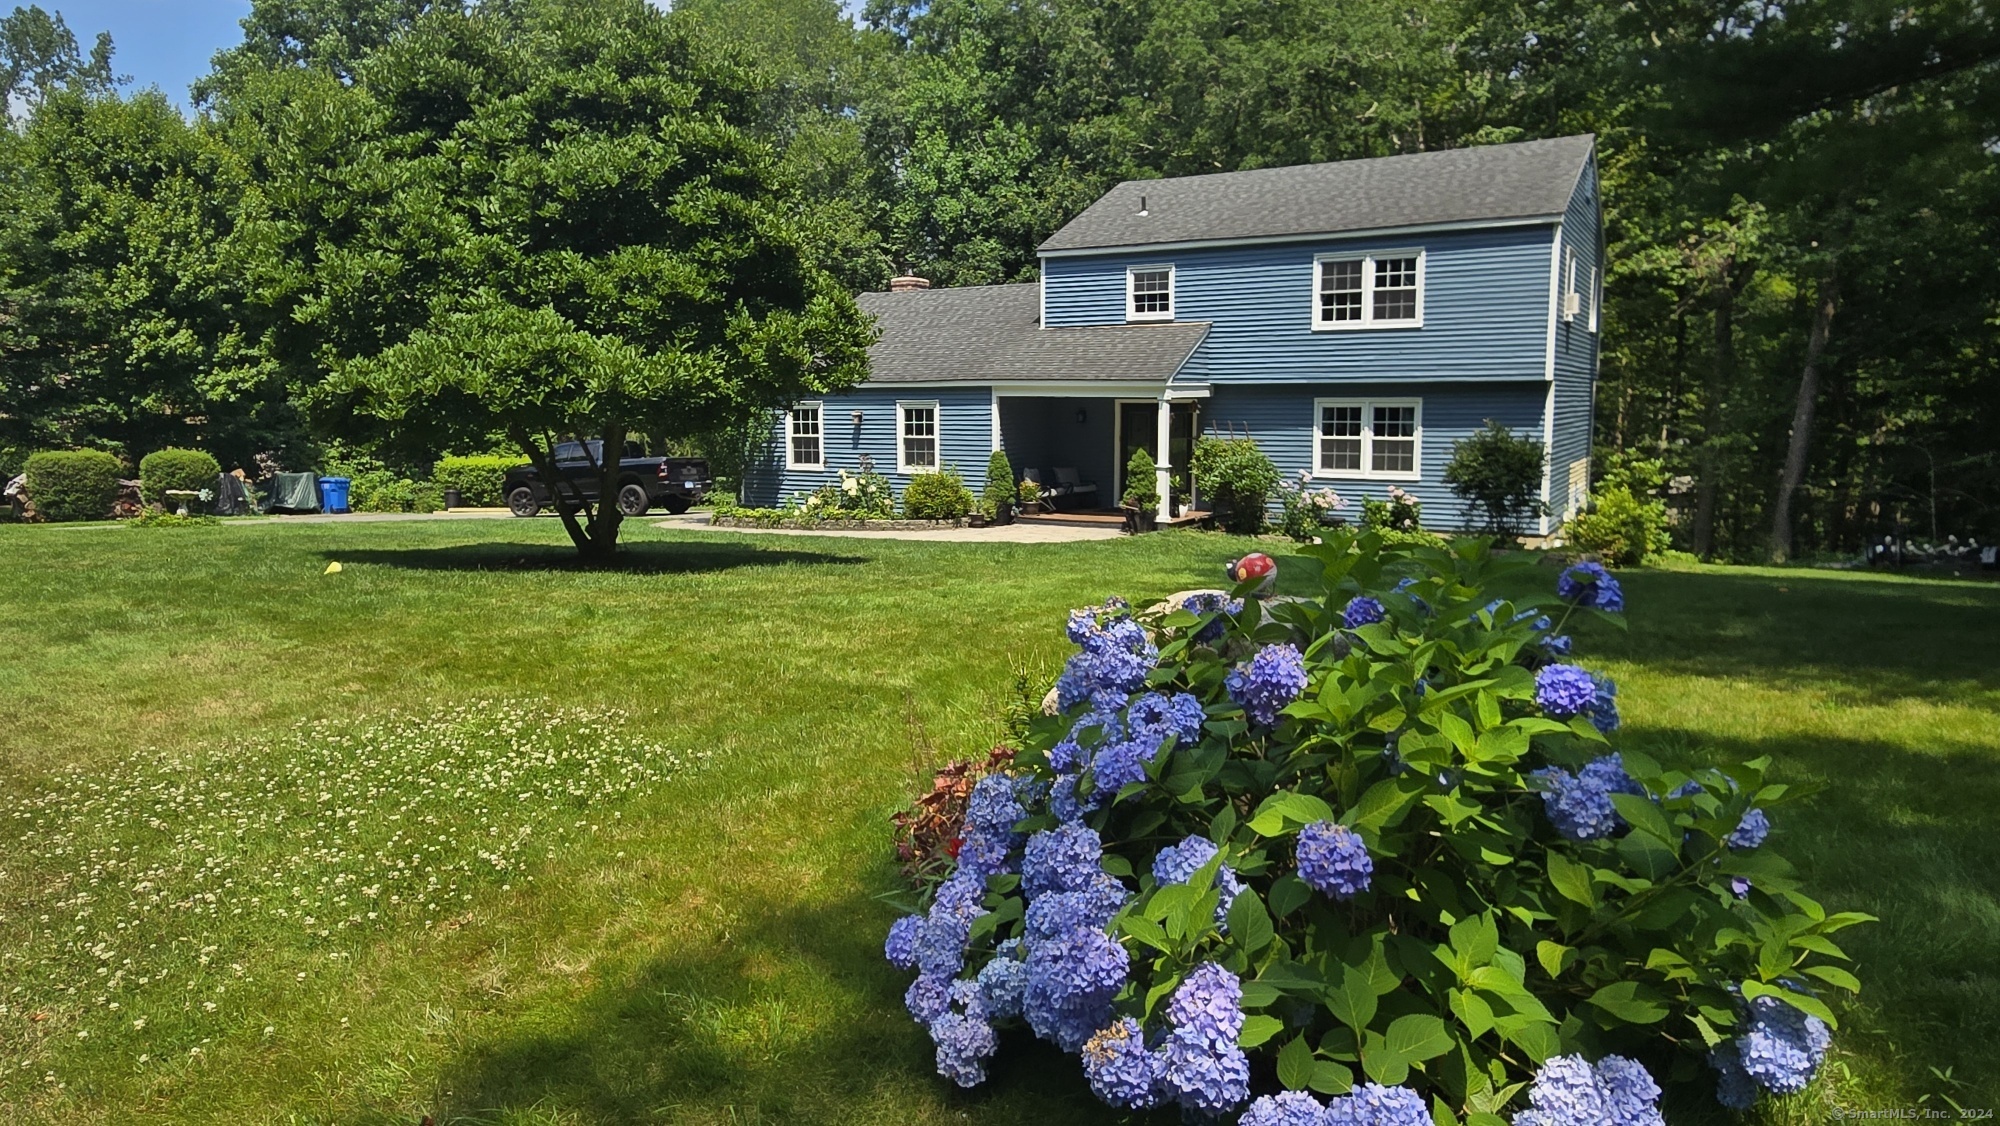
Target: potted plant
{"points": [[1030, 496], [1142, 493]]}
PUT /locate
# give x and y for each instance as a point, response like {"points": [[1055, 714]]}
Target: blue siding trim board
{"points": [[1485, 308], [1284, 424], [965, 424]]}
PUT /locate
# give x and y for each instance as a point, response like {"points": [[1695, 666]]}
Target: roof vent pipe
{"points": [[905, 283], [1142, 205]]}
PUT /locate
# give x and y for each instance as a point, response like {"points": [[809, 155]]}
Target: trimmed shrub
{"points": [[478, 479], [1619, 527], [937, 496], [162, 470], [74, 484], [1237, 479], [1142, 482], [1381, 836], [1000, 490], [1499, 476]]}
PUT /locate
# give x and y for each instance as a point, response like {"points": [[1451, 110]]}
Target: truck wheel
{"points": [[677, 504], [522, 502], [632, 500]]}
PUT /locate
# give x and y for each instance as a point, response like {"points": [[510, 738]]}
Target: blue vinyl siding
{"points": [[1284, 424], [1575, 345], [965, 424], [1485, 316]]}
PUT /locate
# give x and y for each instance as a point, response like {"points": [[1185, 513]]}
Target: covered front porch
{"points": [[1075, 442]]}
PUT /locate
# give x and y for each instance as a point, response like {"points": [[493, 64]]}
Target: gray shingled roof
{"points": [[1490, 182], [992, 334]]}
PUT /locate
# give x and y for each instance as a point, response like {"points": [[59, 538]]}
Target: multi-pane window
{"points": [[917, 449], [1370, 290], [807, 451], [1362, 438], [1152, 293]]}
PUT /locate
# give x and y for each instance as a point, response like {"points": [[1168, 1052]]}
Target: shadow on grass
{"points": [[790, 1017], [640, 557]]}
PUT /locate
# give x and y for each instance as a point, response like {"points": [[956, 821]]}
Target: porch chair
{"points": [[1068, 484]]}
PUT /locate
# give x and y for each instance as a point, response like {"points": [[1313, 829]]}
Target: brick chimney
{"points": [[905, 283]]}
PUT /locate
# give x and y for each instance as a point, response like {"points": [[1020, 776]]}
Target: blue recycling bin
{"points": [[333, 494]]}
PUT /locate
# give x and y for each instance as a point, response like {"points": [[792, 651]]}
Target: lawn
{"points": [[464, 831]]}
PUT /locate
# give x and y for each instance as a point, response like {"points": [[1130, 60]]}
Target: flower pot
{"points": [[453, 499], [976, 520]]}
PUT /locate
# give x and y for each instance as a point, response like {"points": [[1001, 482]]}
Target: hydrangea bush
{"points": [[1371, 858]]}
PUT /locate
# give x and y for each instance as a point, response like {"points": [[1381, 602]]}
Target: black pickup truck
{"points": [[673, 483]]}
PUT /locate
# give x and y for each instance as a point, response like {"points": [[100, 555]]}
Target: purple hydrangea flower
{"points": [[1589, 584], [1177, 864], [1122, 1072], [1333, 860], [1289, 1108], [1209, 1001], [1783, 1046], [1064, 858], [1066, 803], [1272, 679], [1158, 715], [1202, 1075], [1565, 690], [1568, 1091], [901, 946], [1371, 1104], [1363, 611], [1751, 831]]}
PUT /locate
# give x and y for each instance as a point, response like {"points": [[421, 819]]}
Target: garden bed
{"points": [[812, 524]]}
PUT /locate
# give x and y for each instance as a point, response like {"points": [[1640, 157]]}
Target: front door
{"points": [[1139, 429]]}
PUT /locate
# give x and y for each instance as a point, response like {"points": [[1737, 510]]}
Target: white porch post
{"points": [[1162, 471]]}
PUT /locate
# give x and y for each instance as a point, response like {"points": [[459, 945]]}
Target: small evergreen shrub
{"points": [[1237, 478], [1624, 523], [937, 496], [480, 479], [1000, 489], [162, 470], [74, 484], [1384, 841], [1142, 482], [1499, 476]]}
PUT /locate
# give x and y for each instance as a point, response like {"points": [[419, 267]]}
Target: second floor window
{"points": [[917, 445], [1384, 290], [1150, 293], [806, 451]]}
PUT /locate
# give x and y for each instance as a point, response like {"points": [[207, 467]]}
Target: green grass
{"points": [[703, 946]]}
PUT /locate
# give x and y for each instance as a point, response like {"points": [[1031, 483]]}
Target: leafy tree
{"points": [[39, 54], [1499, 475], [329, 35], [547, 218]]}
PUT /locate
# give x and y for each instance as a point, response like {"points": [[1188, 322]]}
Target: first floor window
{"points": [[1367, 438], [1384, 290], [806, 450], [918, 447], [1152, 293]]}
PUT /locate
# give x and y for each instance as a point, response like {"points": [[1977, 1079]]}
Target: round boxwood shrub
{"points": [[937, 496], [478, 479], [161, 470], [1378, 846], [73, 484]]}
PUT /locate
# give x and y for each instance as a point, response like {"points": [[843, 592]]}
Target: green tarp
{"points": [[293, 492]]}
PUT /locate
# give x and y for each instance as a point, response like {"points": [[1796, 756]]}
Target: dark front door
{"points": [[1139, 429]]}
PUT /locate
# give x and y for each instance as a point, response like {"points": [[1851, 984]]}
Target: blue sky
{"points": [[164, 43]]}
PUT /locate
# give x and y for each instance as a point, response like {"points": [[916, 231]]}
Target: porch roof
{"points": [[992, 334]]}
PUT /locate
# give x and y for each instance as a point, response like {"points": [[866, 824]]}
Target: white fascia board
{"points": [[1555, 301], [1317, 236]]}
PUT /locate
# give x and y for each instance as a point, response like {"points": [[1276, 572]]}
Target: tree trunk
{"points": [[601, 531], [1722, 376], [596, 535], [1802, 418]]}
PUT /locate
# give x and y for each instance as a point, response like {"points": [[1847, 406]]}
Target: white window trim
{"points": [[903, 465], [1320, 471], [1173, 298], [791, 449], [1368, 322]]}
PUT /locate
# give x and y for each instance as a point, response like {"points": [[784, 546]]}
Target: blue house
{"points": [[1355, 319]]}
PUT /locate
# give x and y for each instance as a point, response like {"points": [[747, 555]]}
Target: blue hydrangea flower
{"points": [[1568, 1091], [1057, 913], [1289, 1108], [964, 1044], [1071, 981], [1177, 864], [1212, 602], [1333, 860], [1179, 716], [901, 946], [1272, 679], [1116, 658], [928, 998], [1067, 804], [1733, 1086], [1209, 1001], [1002, 983], [941, 940], [1093, 728], [1739, 887], [1363, 611], [1604, 709], [1202, 1075], [1065, 858], [1122, 1071], [983, 852], [995, 804], [1607, 772], [1783, 1046], [1087, 622], [1557, 645], [1579, 805], [1403, 586], [1751, 831], [1589, 584], [1371, 1104], [1564, 690]]}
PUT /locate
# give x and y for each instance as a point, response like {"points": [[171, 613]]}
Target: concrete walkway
{"points": [[1006, 533], [374, 517]]}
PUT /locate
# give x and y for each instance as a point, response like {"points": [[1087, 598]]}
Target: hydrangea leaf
{"points": [[1330, 1078], [1710, 1038], [1249, 924], [1288, 894], [1352, 998], [1146, 931], [1295, 1064], [1257, 1029], [1834, 975], [1381, 1062], [1384, 804], [1472, 1011], [1287, 812], [1804, 1002], [1647, 854], [1416, 1037], [1259, 995], [1631, 1002], [1572, 880], [1554, 957], [1644, 815]]}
